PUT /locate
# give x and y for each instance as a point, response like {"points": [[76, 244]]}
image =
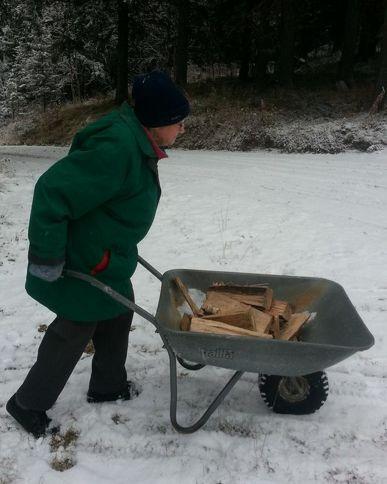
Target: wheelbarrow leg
{"points": [[210, 410]]}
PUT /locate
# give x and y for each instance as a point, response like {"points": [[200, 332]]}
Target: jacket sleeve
{"points": [[87, 177]]}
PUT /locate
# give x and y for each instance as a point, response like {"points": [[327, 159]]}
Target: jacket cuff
{"points": [[35, 259]]}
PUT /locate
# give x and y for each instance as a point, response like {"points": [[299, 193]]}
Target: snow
{"points": [[264, 212], [198, 298]]}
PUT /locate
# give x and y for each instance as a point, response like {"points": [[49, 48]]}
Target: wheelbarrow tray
{"points": [[335, 333]]}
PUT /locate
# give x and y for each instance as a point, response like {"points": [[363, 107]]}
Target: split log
{"points": [[187, 297], [261, 301], [201, 325], [261, 321], [253, 319], [294, 325], [258, 295], [217, 303], [281, 309], [238, 288], [275, 328], [185, 323], [239, 319]]}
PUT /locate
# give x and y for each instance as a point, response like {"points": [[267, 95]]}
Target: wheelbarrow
{"points": [[290, 373]]}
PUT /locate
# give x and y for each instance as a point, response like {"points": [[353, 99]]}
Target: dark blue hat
{"points": [[158, 101]]}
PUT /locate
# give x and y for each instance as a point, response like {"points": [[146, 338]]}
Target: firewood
{"points": [[185, 323], [275, 327], [239, 319], [256, 301], [201, 325], [245, 300], [281, 309], [294, 325], [253, 319], [190, 301], [261, 321], [257, 295], [218, 303], [238, 288]]}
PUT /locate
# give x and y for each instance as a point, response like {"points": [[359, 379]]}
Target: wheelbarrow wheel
{"points": [[188, 365], [298, 395]]}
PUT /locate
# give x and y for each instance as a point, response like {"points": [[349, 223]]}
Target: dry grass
{"points": [[229, 115], [63, 445], [239, 429], [58, 125], [90, 350], [230, 95], [318, 119], [62, 464], [65, 440]]}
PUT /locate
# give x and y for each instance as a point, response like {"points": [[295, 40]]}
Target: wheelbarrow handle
{"points": [[150, 268], [113, 294], [117, 296]]}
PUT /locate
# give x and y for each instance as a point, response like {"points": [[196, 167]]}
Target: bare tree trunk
{"points": [[122, 93], [170, 49], [286, 61], [246, 41], [78, 87], [350, 42], [338, 21], [381, 85], [181, 52], [72, 88], [74, 79], [371, 22]]}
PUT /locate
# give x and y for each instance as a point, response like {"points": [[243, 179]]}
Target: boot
{"points": [[35, 422], [129, 392]]}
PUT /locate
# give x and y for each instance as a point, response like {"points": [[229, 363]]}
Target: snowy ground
{"points": [[312, 215]]}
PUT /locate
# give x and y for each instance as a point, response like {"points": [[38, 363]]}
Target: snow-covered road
{"points": [[266, 212]]}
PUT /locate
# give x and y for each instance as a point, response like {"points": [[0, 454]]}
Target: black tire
{"points": [[299, 395], [189, 366]]}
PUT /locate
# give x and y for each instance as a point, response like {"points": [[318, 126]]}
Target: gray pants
{"points": [[60, 350]]}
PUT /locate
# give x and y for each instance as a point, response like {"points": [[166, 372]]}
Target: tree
{"points": [[286, 60], [122, 93], [350, 42], [37, 76], [381, 85], [31, 76], [246, 40], [86, 63], [372, 12], [181, 52]]}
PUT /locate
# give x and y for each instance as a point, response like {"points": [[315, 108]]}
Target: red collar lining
{"points": [[156, 148]]}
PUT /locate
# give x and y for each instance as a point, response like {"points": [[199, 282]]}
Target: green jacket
{"points": [[93, 206]]}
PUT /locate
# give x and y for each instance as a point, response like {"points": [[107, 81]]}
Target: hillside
{"points": [[231, 116]]}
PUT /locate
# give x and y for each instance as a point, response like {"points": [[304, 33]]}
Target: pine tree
{"points": [[381, 85], [286, 61], [182, 40], [122, 93], [350, 42]]}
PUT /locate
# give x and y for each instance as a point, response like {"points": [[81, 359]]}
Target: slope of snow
{"points": [[310, 215]]}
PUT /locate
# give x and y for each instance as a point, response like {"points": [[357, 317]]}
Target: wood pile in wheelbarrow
{"points": [[242, 310]]}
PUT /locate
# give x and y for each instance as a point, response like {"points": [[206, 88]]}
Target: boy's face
{"points": [[166, 135]]}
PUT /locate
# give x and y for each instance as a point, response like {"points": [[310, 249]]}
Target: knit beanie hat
{"points": [[158, 101]]}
